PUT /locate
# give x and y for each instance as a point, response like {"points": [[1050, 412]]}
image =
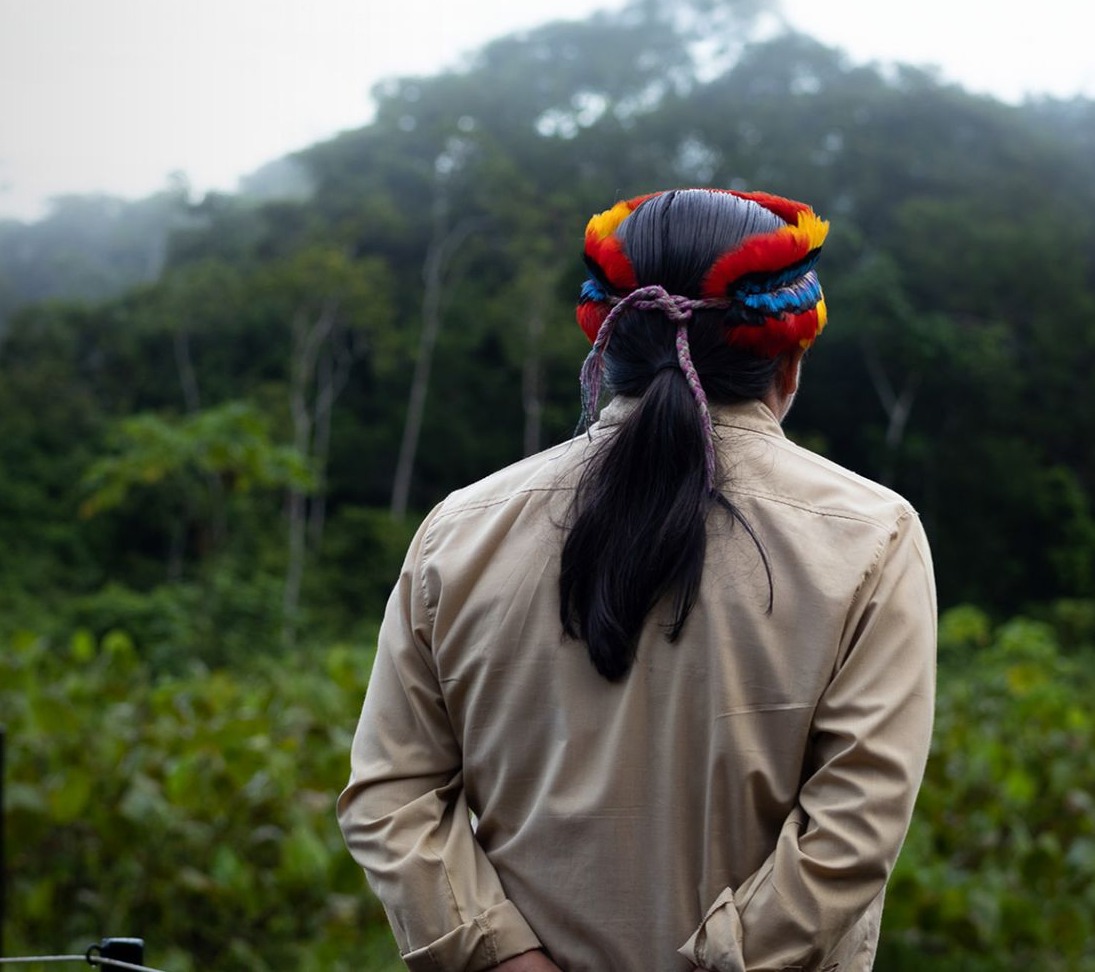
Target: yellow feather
{"points": [[811, 229], [605, 224]]}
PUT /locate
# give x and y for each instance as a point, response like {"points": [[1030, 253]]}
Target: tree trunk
{"points": [[897, 407], [437, 259], [531, 378], [188, 382], [332, 373], [185, 366], [321, 445], [412, 427], [308, 339], [294, 572]]}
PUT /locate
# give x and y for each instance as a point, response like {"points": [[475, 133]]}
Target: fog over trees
{"points": [[221, 418]]}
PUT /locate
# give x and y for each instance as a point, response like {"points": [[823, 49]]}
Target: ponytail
{"points": [[693, 296], [640, 529]]}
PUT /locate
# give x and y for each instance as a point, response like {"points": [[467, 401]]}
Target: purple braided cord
{"points": [[684, 356], [678, 309]]}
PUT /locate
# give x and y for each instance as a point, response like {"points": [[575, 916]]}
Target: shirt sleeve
{"points": [[871, 735], [404, 814]]}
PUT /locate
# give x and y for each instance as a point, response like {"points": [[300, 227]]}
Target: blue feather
{"points": [[768, 282], [592, 291], [803, 294]]}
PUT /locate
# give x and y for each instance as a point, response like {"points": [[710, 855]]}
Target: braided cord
{"points": [[677, 309], [684, 356]]}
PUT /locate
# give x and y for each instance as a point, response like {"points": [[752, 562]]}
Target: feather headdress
{"points": [[766, 283]]}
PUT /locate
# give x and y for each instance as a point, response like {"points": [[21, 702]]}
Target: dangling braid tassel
{"points": [[676, 308], [684, 356], [594, 365], [592, 369]]}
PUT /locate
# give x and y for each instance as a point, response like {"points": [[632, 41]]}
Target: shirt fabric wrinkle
{"points": [[737, 802]]}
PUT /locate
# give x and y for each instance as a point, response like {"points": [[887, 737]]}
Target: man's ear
{"points": [[789, 369]]}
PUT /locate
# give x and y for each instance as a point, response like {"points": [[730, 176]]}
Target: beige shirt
{"points": [[736, 803]]}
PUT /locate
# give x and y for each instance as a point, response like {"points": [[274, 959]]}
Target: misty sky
{"points": [[113, 95]]}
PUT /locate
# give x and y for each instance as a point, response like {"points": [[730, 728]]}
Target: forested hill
{"points": [[220, 447]]}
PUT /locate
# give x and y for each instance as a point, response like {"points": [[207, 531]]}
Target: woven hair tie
{"points": [[677, 309]]}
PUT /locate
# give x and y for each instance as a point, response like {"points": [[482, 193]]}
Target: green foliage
{"points": [[960, 276], [999, 867], [363, 550], [224, 617], [230, 443], [1074, 620], [194, 810]]}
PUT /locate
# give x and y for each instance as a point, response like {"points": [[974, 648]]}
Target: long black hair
{"points": [[638, 530]]}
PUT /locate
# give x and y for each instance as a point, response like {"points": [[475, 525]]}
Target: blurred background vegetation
{"points": [[220, 421]]}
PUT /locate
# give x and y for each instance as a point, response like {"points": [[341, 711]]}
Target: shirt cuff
{"points": [[716, 944], [499, 933]]}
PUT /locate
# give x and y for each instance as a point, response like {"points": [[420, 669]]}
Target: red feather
{"points": [[590, 318], [609, 255], [785, 209], [758, 254], [776, 335]]}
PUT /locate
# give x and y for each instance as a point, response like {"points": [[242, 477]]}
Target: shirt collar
{"points": [[752, 415]]}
